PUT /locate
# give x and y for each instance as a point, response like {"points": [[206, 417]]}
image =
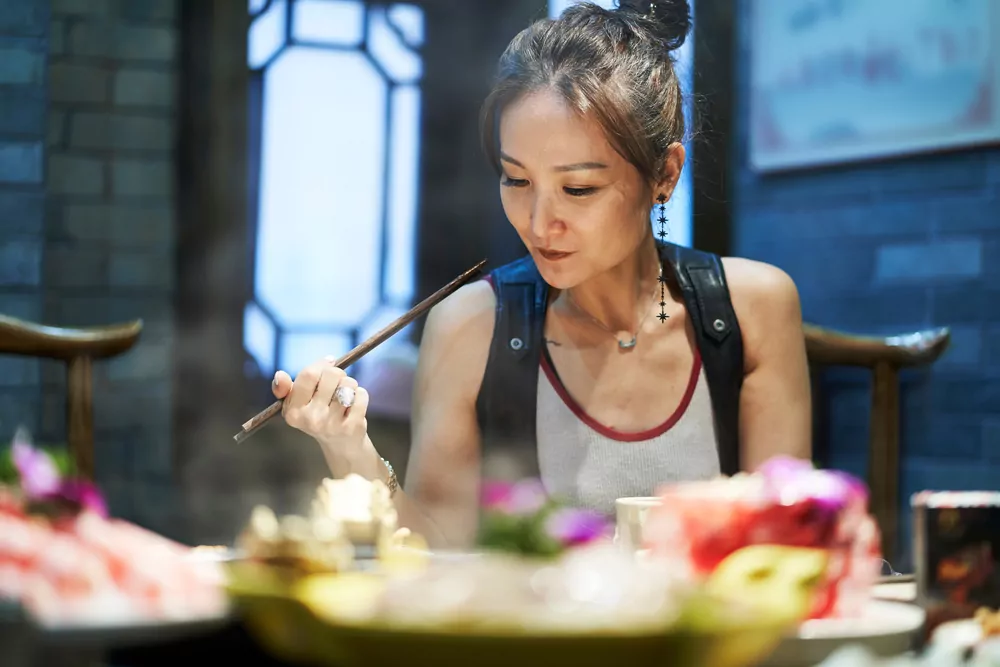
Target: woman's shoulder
{"points": [[467, 313], [748, 278], [761, 293], [456, 342]]}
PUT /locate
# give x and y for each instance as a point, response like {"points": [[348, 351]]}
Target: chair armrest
{"points": [[38, 340], [835, 348]]}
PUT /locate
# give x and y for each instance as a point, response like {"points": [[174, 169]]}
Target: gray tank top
{"points": [[590, 465]]}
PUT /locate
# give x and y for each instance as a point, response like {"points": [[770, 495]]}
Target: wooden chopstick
{"points": [[257, 421]]}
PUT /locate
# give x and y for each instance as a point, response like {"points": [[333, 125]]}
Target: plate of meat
{"points": [[82, 577]]}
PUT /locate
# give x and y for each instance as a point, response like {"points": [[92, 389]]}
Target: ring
{"points": [[344, 396]]}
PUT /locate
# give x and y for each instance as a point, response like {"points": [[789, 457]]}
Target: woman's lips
{"points": [[553, 255]]}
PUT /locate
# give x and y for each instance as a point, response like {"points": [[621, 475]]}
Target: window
{"points": [[679, 208], [335, 141]]}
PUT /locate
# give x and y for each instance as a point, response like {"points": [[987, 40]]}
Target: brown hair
{"points": [[615, 65]]}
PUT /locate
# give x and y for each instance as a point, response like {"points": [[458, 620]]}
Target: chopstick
{"points": [[257, 421]]}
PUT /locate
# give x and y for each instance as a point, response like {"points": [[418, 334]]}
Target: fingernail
{"points": [[330, 358], [274, 381]]}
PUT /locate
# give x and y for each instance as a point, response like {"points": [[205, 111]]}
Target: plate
{"points": [[885, 628], [904, 591], [122, 633]]}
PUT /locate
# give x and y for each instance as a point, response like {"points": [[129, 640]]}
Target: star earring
{"points": [[661, 218], [662, 234]]}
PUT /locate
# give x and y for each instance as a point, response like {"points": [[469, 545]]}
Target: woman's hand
{"points": [[325, 403]]}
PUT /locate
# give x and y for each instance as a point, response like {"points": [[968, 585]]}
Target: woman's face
{"points": [[580, 207]]}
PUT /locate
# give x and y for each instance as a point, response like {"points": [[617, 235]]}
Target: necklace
{"points": [[626, 340]]}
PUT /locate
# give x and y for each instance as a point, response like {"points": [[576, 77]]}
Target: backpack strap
{"points": [[702, 282], [507, 403]]}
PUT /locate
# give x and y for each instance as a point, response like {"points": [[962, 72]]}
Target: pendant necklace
{"points": [[626, 340]]}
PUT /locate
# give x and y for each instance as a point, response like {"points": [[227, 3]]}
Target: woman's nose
{"points": [[541, 216]]}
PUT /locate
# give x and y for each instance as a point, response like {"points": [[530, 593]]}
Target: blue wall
{"points": [[891, 247], [24, 27]]}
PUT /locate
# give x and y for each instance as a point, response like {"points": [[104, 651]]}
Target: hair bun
{"points": [[668, 20]]}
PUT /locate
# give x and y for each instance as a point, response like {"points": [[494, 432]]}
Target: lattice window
{"points": [[680, 207], [335, 141]]}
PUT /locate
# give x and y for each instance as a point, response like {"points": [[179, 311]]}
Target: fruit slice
{"points": [[778, 581]]}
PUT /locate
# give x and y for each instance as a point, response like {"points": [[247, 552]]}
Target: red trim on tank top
{"points": [[621, 436]]}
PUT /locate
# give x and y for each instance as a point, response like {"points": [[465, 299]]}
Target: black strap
{"points": [[507, 401], [702, 281]]}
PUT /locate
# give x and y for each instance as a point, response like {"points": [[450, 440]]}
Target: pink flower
{"points": [[527, 497], [496, 494], [522, 498], [40, 480], [572, 527], [37, 471], [83, 494], [793, 480]]}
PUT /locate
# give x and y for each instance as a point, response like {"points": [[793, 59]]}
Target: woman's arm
{"points": [[443, 475], [775, 403], [442, 500]]}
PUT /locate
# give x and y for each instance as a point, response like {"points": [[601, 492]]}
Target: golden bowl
{"points": [[287, 627]]}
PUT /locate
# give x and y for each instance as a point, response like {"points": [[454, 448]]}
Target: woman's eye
{"points": [[579, 192], [509, 182]]}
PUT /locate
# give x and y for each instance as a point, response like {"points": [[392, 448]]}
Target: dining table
{"points": [[232, 638]]}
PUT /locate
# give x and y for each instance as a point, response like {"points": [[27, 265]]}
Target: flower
{"points": [[41, 482], [572, 527], [82, 494], [496, 494], [520, 499], [37, 471], [793, 480], [522, 518], [527, 497]]}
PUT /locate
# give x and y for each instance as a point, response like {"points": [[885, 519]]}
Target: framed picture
{"points": [[843, 80]]}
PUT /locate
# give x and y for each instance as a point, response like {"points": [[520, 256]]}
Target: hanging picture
{"points": [[843, 80]]}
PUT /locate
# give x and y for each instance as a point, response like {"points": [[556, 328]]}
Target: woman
{"points": [[657, 363]]}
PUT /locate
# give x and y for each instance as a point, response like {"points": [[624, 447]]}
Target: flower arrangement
{"points": [[47, 482], [521, 518]]}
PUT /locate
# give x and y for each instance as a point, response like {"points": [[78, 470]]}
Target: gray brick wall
{"points": [[24, 47], [110, 136], [893, 246]]}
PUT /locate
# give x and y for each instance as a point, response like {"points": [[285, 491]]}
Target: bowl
{"points": [[288, 629]]}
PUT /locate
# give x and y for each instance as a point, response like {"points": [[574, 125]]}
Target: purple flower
{"points": [[575, 526], [527, 497], [83, 494], [37, 471], [793, 480], [495, 495], [40, 480], [522, 498], [784, 468]]}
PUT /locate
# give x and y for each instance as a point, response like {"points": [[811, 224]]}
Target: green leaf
{"points": [[60, 457]]}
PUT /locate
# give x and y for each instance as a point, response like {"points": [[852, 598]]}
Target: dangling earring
{"points": [[662, 219]]}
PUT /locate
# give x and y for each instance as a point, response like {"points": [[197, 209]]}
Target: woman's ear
{"points": [[672, 166]]}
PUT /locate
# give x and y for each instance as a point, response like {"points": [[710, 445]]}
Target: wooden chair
{"points": [[78, 348], [884, 357]]}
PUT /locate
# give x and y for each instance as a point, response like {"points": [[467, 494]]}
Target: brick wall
{"points": [[894, 246], [87, 133], [24, 42]]}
